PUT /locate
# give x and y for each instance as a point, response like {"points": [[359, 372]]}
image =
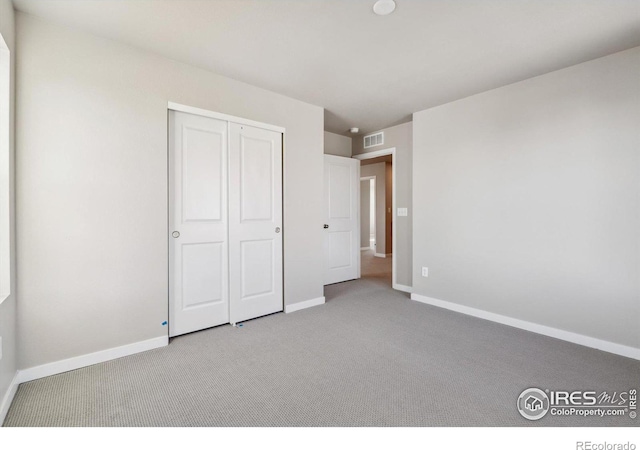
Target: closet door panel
{"points": [[255, 222], [198, 241], [256, 180]]}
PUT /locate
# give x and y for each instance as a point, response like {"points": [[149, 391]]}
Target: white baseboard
{"points": [[403, 288], [8, 398], [304, 305], [611, 347], [365, 248], [78, 362], [382, 255]]}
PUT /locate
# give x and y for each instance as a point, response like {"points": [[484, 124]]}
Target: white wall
{"points": [[92, 187], [378, 170], [527, 200], [8, 329], [400, 137], [336, 144]]}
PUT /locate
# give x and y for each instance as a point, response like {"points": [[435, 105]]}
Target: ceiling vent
{"points": [[374, 139]]}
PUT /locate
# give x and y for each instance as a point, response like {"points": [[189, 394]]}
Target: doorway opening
{"points": [[377, 189]]}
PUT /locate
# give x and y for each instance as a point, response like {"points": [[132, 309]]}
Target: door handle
{"points": [[326, 226], [175, 234], [277, 229]]}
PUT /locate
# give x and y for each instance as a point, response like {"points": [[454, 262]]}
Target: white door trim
{"points": [[216, 115], [376, 154], [385, 152], [375, 228]]}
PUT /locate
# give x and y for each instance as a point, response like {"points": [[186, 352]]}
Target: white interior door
{"points": [[198, 264], [255, 222], [342, 222]]}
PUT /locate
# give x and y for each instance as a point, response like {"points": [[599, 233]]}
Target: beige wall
{"points": [[527, 200], [92, 187], [378, 171], [336, 144], [8, 329], [400, 137]]}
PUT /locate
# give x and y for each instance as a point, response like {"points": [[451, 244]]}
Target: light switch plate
{"points": [[425, 271], [403, 212]]}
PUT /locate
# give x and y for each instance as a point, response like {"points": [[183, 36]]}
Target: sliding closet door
{"points": [[255, 222], [198, 264]]}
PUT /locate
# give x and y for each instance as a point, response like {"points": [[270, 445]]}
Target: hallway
{"points": [[377, 268]]}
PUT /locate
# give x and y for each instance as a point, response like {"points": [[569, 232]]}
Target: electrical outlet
{"points": [[425, 271]]}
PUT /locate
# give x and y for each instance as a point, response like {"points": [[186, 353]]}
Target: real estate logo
{"points": [[533, 404]]}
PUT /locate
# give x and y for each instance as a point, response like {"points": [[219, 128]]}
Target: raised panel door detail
{"points": [[257, 262], [202, 274], [340, 244], [202, 177], [256, 179], [339, 192]]}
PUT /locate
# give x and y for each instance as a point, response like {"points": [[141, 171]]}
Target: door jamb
{"points": [[375, 226]]}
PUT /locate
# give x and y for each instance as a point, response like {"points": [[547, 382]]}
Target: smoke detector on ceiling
{"points": [[384, 7]]}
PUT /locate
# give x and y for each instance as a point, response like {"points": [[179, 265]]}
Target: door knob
{"points": [[175, 234], [326, 226], [277, 229]]}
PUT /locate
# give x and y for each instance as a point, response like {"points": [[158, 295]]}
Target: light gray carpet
{"points": [[369, 357]]}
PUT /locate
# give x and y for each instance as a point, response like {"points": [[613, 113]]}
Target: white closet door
{"points": [[198, 263], [342, 225], [255, 222]]}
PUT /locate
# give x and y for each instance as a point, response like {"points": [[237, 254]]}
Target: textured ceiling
{"points": [[365, 70]]}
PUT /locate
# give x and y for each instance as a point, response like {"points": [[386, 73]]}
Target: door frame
{"points": [[375, 225], [376, 154], [216, 115], [178, 107]]}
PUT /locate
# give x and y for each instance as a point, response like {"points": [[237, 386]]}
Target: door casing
{"points": [[385, 152]]}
